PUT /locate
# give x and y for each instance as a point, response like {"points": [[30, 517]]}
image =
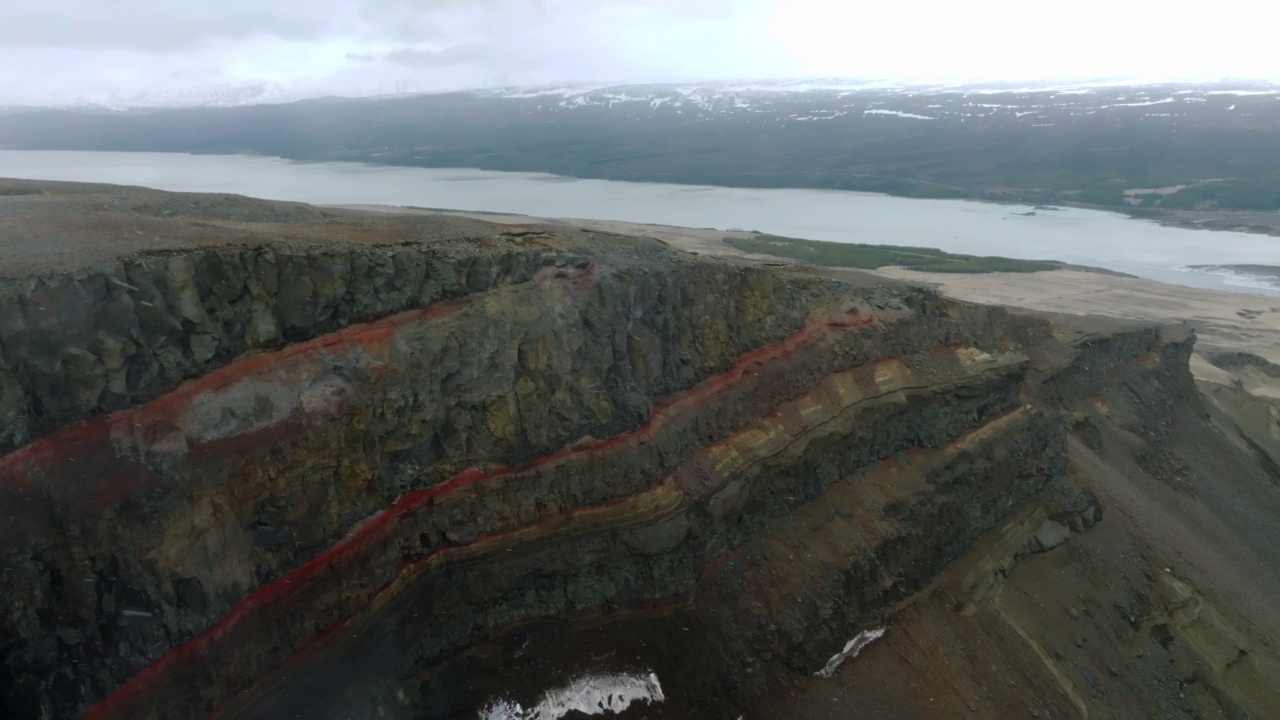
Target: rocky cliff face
{"points": [[324, 463]]}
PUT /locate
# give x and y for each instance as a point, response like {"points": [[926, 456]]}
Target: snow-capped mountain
{"points": [[718, 96], [816, 100]]}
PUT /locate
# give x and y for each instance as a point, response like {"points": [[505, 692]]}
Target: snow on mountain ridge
{"points": [[704, 97]]}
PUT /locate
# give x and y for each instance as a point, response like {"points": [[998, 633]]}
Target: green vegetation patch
{"points": [[1252, 194], [870, 257]]}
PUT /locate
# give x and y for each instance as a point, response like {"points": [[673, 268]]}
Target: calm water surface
{"points": [[1086, 237]]}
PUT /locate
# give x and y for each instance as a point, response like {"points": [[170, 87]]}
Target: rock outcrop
{"points": [[300, 462]]}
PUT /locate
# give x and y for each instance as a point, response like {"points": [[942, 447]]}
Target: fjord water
{"points": [[1084, 237]]}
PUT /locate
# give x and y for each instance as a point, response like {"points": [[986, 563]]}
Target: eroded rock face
{"points": [[76, 346], [273, 479]]}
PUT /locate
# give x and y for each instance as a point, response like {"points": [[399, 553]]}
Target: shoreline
{"points": [[1232, 220], [1161, 249], [1182, 219], [709, 241], [1196, 220]]}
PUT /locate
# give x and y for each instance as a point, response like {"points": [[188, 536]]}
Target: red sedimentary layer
{"points": [[329, 641], [373, 532], [58, 457]]}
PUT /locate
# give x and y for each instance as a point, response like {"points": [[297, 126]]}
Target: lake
{"points": [[1085, 237]]}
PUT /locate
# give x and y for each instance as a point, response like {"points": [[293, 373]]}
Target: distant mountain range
{"points": [[260, 93], [1148, 147]]}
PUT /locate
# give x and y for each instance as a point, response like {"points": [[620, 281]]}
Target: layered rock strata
{"points": [[291, 476]]}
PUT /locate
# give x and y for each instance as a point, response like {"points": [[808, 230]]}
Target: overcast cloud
{"points": [[159, 51]]}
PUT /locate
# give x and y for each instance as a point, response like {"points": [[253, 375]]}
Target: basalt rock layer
{"points": [[300, 462]]}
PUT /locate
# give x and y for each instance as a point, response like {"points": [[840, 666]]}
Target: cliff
{"points": [[264, 460]]}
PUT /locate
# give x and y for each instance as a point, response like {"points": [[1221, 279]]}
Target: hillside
{"points": [[269, 460]]}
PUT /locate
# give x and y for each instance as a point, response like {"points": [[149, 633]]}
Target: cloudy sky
{"points": [[166, 51]]}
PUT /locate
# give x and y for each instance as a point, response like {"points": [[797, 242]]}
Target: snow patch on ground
{"points": [[1141, 104], [913, 116], [851, 650], [590, 694], [1243, 92]]}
